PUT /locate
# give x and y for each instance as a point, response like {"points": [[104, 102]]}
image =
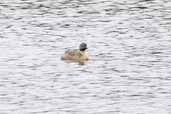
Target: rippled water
{"points": [[129, 45]]}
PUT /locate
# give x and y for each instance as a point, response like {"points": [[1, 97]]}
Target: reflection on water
{"points": [[129, 46]]}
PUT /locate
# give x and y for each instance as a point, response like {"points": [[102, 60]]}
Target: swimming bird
{"points": [[76, 54]]}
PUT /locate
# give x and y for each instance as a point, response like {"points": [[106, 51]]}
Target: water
{"points": [[130, 57]]}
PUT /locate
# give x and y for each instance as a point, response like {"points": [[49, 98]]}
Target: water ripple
{"points": [[129, 47]]}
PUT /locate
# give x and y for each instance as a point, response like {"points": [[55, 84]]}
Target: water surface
{"points": [[129, 46]]}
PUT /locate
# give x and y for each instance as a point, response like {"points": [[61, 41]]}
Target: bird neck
{"points": [[82, 51]]}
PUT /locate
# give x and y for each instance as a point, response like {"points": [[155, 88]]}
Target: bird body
{"points": [[76, 54]]}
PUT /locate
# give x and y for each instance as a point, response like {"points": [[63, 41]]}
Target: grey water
{"points": [[129, 71]]}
